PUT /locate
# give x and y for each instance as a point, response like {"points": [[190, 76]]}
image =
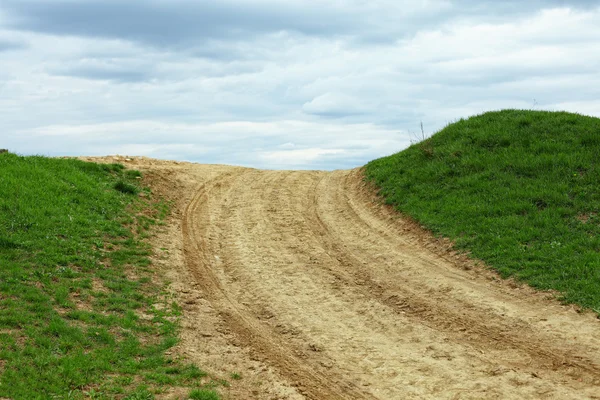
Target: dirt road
{"points": [[309, 288]]}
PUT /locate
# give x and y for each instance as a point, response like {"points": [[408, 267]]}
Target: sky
{"points": [[281, 84]]}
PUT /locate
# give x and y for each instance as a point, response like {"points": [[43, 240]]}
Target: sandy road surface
{"points": [[303, 283]]}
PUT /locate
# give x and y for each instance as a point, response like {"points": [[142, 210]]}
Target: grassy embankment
{"points": [[82, 314], [517, 189]]}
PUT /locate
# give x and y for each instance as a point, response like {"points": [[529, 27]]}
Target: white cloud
{"points": [[282, 144], [297, 157], [336, 105]]}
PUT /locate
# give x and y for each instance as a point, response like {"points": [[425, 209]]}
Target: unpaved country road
{"points": [[317, 291]]}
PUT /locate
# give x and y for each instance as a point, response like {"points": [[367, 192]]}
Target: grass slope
{"points": [[517, 189], [81, 312]]}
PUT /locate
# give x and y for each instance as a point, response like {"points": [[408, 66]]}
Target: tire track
{"points": [[247, 328], [439, 309], [347, 301]]}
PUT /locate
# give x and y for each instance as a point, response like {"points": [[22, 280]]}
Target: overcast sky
{"points": [[321, 84]]}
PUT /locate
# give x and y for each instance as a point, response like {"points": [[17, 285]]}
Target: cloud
{"points": [[335, 106], [274, 84], [185, 23], [517, 6], [167, 22], [297, 157], [284, 144], [104, 73], [8, 45]]}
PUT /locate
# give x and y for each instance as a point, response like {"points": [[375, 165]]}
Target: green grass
{"points": [[82, 313], [203, 394], [517, 189]]}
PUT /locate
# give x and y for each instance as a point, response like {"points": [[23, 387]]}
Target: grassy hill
{"points": [[517, 189], [81, 312]]}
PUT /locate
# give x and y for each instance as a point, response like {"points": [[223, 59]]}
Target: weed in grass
{"points": [[517, 189], [126, 188], [133, 174], [141, 393], [203, 394]]}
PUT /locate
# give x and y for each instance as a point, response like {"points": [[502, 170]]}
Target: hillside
{"points": [[83, 313], [517, 189]]}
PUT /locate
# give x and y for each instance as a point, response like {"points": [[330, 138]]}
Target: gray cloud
{"points": [[7, 45], [167, 23], [185, 22], [517, 6], [104, 74]]}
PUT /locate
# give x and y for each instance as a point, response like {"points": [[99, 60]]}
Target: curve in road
{"points": [[350, 301]]}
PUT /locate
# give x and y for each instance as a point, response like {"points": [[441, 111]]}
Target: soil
{"points": [[308, 287]]}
